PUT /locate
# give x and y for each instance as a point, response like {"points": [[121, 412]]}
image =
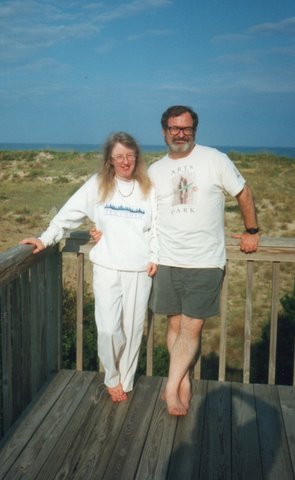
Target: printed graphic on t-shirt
{"points": [[123, 211], [184, 189]]}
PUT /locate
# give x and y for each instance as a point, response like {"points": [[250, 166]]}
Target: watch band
{"points": [[252, 231]]}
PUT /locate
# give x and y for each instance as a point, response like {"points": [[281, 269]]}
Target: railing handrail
{"points": [[79, 242]]}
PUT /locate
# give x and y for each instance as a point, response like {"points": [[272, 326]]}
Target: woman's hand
{"points": [[152, 269], [38, 244], [95, 234]]}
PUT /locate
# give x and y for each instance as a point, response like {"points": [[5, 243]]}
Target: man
{"points": [[190, 183]]}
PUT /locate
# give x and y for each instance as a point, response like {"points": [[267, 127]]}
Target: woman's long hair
{"points": [[107, 175]]}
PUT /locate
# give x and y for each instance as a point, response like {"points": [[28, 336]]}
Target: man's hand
{"points": [[38, 244], [248, 243]]}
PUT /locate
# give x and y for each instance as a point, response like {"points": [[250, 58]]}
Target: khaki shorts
{"points": [[194, 292]]}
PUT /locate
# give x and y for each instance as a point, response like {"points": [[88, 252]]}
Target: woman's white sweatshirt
{"points": [[127, 220]]}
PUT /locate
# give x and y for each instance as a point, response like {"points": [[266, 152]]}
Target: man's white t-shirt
{"points": [[190, 206]]}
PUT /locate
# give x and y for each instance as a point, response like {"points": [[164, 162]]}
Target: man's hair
{"points": [[177, 110]]}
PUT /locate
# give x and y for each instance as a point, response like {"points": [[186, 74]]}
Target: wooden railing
{"points": [[30, 309], [273, 250]]}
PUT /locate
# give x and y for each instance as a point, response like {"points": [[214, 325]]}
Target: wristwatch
{"points": [[252, 231]]}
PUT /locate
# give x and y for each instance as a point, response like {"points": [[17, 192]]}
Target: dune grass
{"points": [[34, 185]]}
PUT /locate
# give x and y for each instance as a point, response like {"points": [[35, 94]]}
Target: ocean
{"points": [[288, 152]]}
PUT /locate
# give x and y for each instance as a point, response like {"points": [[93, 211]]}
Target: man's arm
{"points": [[248, 242]]}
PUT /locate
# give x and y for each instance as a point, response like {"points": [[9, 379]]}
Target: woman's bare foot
{"points": [[117, 393]]}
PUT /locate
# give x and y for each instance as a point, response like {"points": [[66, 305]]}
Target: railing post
{"points": [[80, 302], [150, 343], [197, 368], [274, 322], [223, 325], [248, 321]]}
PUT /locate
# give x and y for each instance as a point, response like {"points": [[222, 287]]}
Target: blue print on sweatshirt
{"points": [[123, 211]]}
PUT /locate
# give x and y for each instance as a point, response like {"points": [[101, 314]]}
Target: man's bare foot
{"points": [[174, 404], [185, 392], [117, 393]]}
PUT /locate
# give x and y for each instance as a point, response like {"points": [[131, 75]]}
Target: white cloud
{"points": [[31, 25], [147, 34], [243, 58], [230, 37], [181, 88], [284, 27]]}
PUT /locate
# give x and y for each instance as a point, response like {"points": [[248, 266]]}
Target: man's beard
{"points": [[181, 148]]}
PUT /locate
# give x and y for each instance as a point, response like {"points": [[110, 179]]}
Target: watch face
{"points": [[252, 231]]}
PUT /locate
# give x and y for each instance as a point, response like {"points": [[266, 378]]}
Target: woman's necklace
{"points": [[128, 194]]}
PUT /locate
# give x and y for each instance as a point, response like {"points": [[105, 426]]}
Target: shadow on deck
{"points": [[72, 430]]}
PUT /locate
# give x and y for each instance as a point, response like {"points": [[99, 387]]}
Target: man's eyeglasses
{"points": [[128, 156], [185, 130]]}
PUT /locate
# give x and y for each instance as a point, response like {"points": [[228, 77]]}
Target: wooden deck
{"points": [[72, 430]]}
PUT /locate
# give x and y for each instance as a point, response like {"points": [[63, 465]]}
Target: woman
{"points": [[121, 203]]}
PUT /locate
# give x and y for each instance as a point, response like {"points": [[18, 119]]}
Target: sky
{"points": [[75, 71]]}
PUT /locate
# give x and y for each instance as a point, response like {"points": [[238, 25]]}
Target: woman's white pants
{"points": [[121, 299]]}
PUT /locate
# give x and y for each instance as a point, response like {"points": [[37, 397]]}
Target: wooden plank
{"points": [[17, 260], [197, 367], [33, 457], [287, 399], [223, 325], [131, 440], [248, 321], [64, 458], [75, 240], [58, 308], [96, 442], [80, 306], [25, 366], [246, 463], [42, 310], [66, 433], [16, 360], [53, 311], [24, 428], [154, 462], [216, 445], [6, 344], [274, 323], [150, 343], [186, 454], [35, 331], [265, 242], [270, 249], [263, 255], [78, 240], [275, 457]]}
